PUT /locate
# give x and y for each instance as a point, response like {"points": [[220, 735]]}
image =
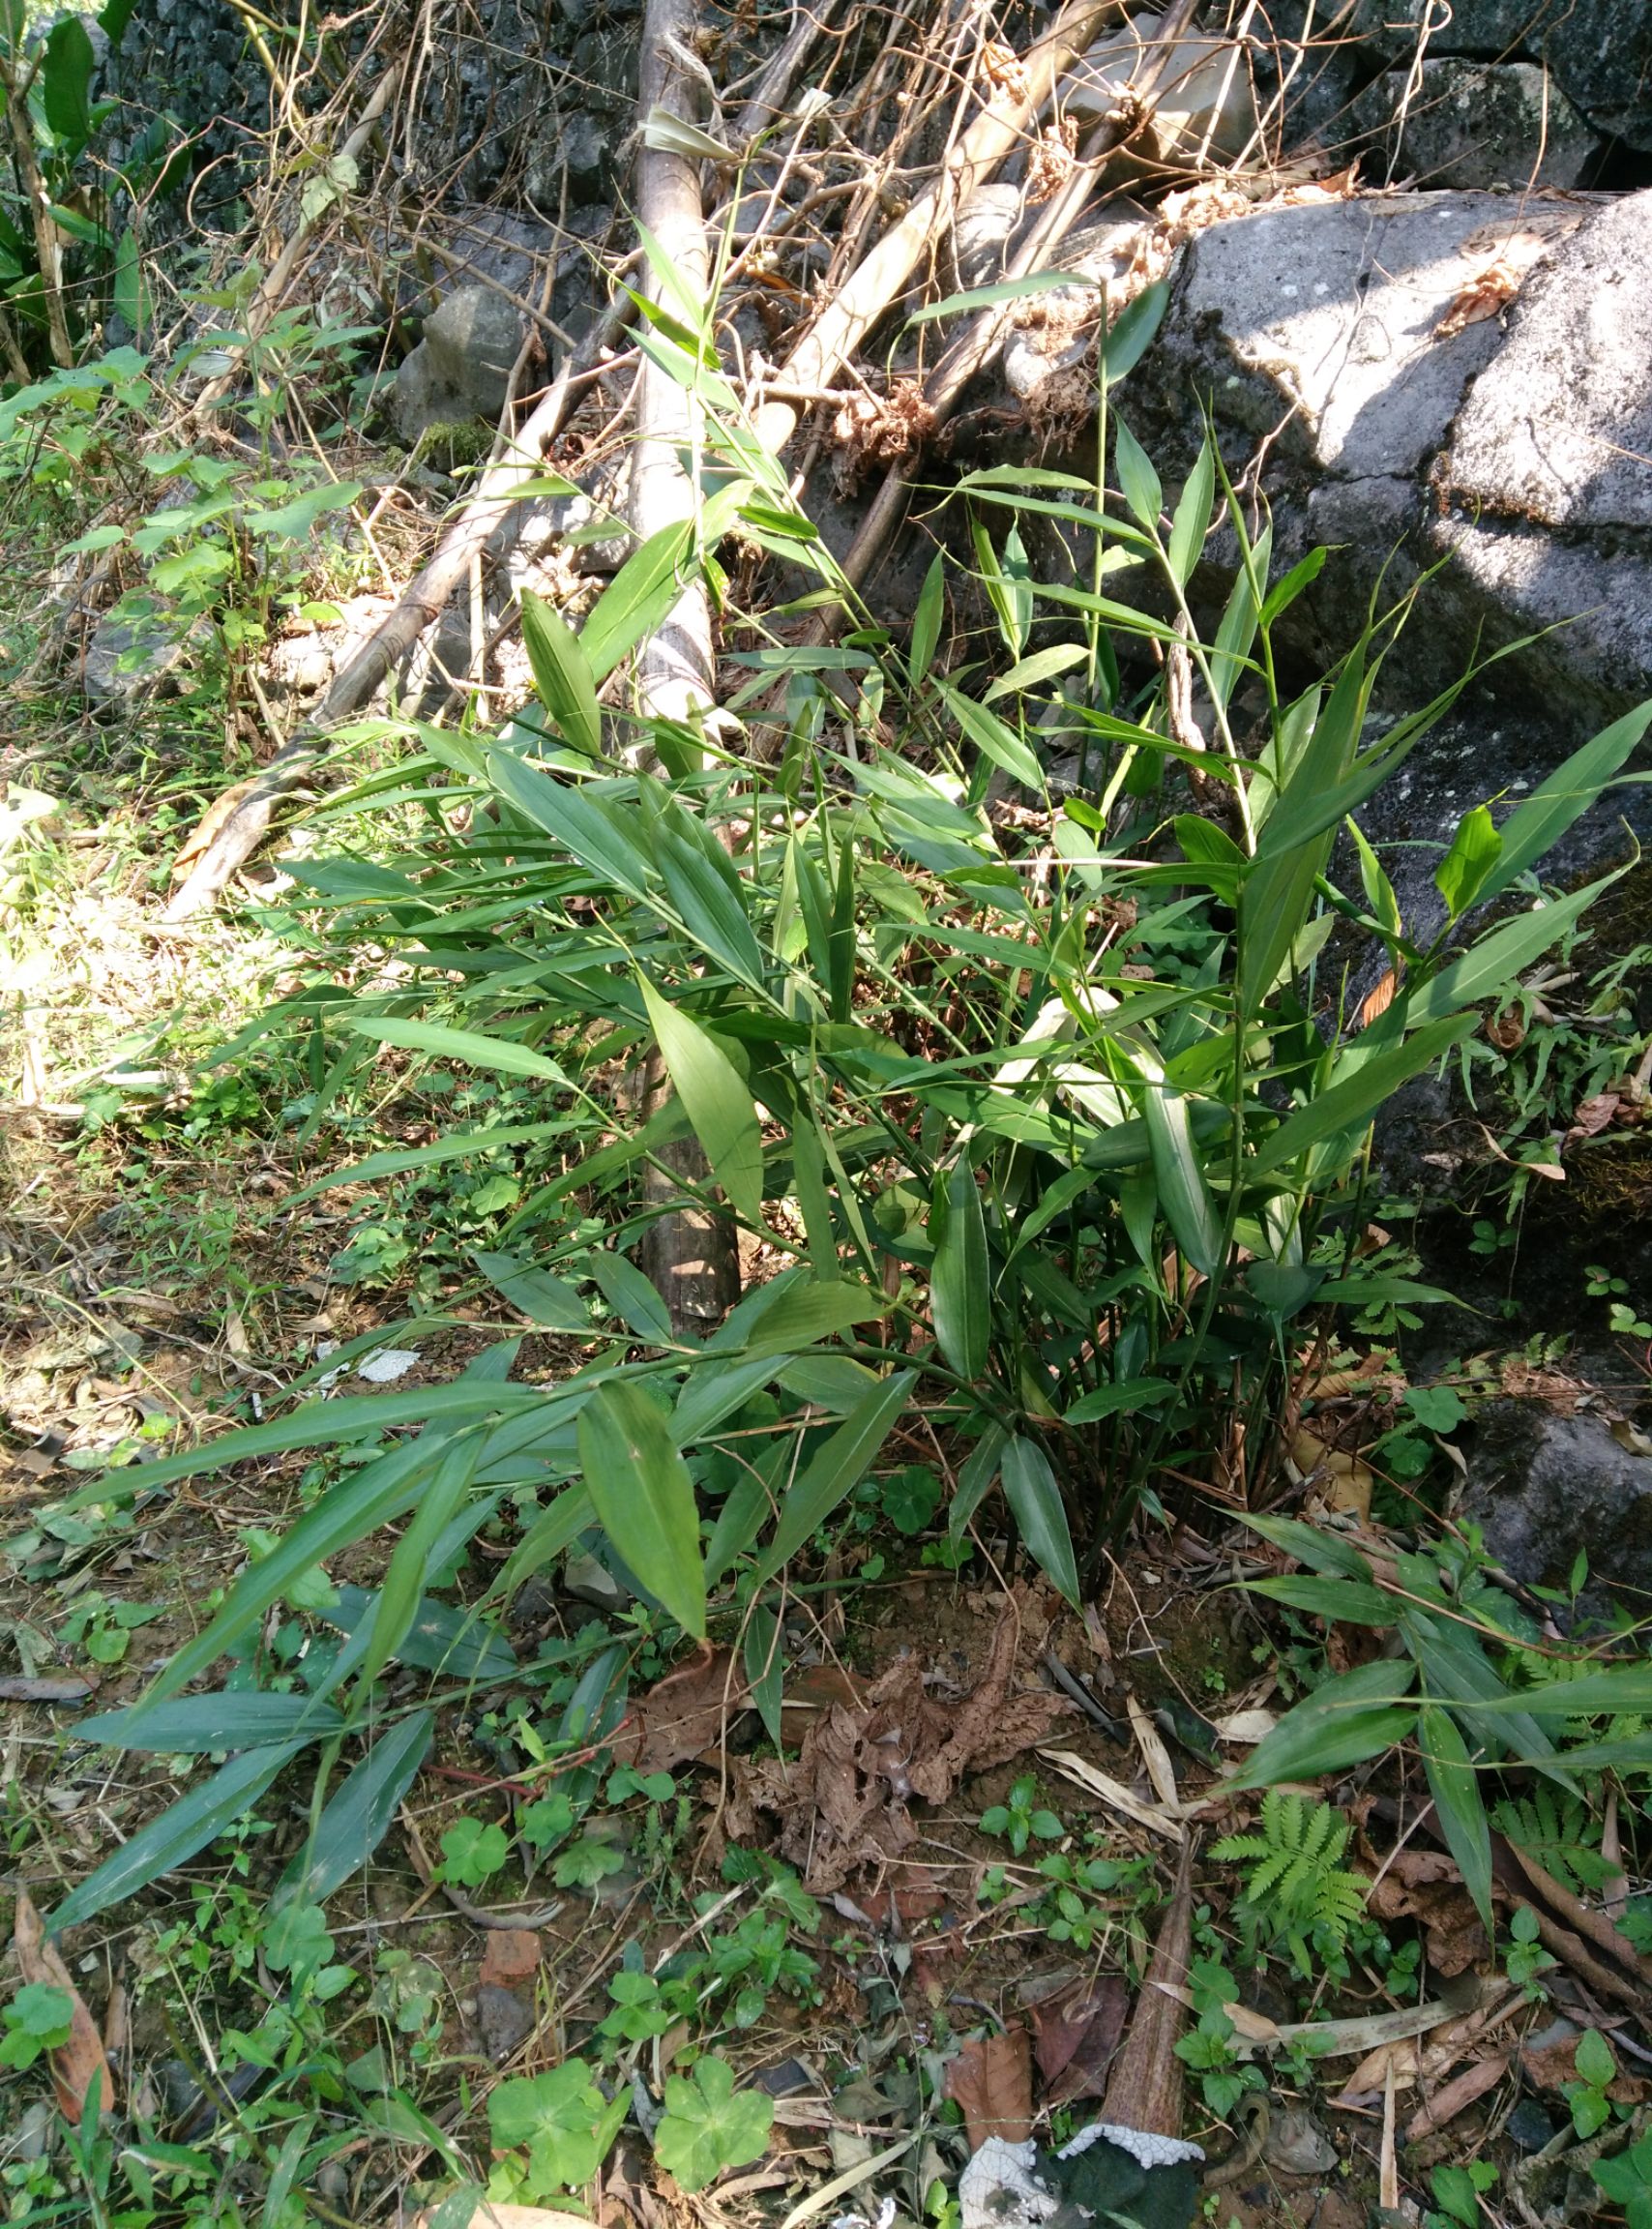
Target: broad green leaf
{"points": [[66, 81], [200, 1725], [1354, 1098], [764, 1659], [441, 1637], [1355, 1715], [496, 1053], [809, 1311], [402, 1587], [1122, 1399], [1028, 672], [714, 1390], [1341, 1601], [1001, 291], [549, 1303], [717, 1103], [1316, 1545], [1191, 523], [1279, 896], [631, 1298], [638, 598], [1470, 862], [318, 1424], [711, 906], [976, 1480], [356, 1507], [173, 1839], [1492, 964], [960, 1283], [1137, 478], [1301, 575], [1183, 1191], [1455, 1787], [595, 833], [1539, 821], [709, 2125], [562, 676], [834, 1469], [994, 738], [359, 1813], [1033, 1492], [926, 622], [569, 1515], [1134, 331], [645, 1499]]}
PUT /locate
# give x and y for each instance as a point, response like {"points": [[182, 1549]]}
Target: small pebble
{"points": [[1528, 2127]]}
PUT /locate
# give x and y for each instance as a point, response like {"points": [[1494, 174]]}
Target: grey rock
{"points": [[1316, 325], [462, 367], [1559, 430], [133, 653], [1297, 2145], [32, 2135], [1544, 1487], [586, 1581], [504, 2020], [1474, 124], [1599, 50]]}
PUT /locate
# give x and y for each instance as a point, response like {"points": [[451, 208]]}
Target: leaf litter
{"points": [[846, 1800]]}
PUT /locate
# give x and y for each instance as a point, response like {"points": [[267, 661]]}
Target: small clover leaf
{"points": [[39, 2018], [586, 1863], [561, 2118], [473, 1852], [710, 2126]]}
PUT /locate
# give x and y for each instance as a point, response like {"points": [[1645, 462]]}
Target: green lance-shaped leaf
{"points": [[836, 1467], [173, 1839], [359, 1814], [1358, 1714], [1362, 1086], [202, 1725], [718, 1105], [1459, 1806], [562, 675], [1471, 861], [961, 1296], [601, 836], [1034, 1495], [1191, 523], [1539, 821], [645, 1499]]}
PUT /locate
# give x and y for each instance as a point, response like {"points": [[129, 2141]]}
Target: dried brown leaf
{"points": [[79, 2068], [844, 1802], [683, 1714], [992, 2081], [1075, 2036]]}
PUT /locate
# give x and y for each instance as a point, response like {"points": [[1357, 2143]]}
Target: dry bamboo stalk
{"points": [[689, 1253]]}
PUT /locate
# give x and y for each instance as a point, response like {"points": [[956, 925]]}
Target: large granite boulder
{"points": [[1599, 51]]}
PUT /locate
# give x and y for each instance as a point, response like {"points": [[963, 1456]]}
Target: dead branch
{"points": [[972, 347], [236, 824], [821, 355]]}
